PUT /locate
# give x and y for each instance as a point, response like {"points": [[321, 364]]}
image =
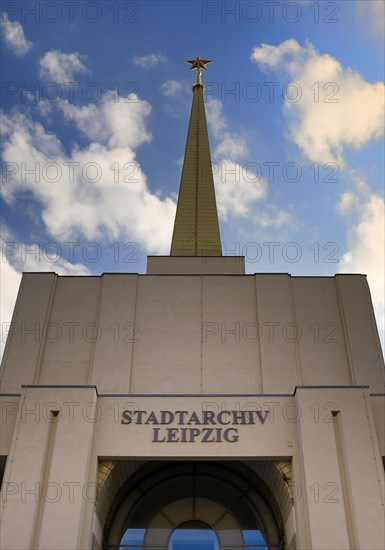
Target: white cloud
{"points": [[172, 88], [374, 12], [215, 117], [61, 67], [336, 107], [268, 56], [237, 189], [274, 217], [114, 122], [347, 203], [117, 202], [14, 36], [366, 242], [232, 145], [150, 60], [9, 285], [229, 145]]}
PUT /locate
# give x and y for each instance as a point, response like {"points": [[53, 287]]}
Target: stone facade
{"points": [[293, 364]]}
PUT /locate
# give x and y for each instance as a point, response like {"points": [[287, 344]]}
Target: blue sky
{"points": [[96, 99]]}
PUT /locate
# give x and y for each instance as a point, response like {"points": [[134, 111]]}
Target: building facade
{"points": [[193, 407]]}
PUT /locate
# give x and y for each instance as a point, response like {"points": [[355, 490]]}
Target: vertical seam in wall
{"points": [[39, 362], [201, 337], [373, 437], [345, 484], [259, 329], [46, 462], [375, 328], [133, 338], [304, 494], [11, 454], [345, 332], [87, 476], [97, 319], [296, 343]]}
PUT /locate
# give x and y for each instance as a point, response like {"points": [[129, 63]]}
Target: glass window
{"points": [[132, 538], [254, 539], [193, 535]]}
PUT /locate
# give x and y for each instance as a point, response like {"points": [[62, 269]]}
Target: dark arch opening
{"points": [[227, 496]]}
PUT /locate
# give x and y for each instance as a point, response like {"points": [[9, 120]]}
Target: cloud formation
{"points": [[239, 188], [113, 121], [172, 88], [100, 190], [61, 67], [329, 107], [14, 37], [366, 241], [337, 109], [374, 13], [149, 61]]}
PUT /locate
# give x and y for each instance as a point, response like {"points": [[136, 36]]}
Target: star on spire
{"points": [[198, 64]]}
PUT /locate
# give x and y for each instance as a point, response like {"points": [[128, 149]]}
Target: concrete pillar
{"points": [[45, 483], [343, 488]]}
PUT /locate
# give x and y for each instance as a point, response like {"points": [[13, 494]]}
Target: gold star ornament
{"points": [[198, 63]]}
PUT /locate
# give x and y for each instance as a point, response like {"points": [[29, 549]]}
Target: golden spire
{"points": [[196, 228]]}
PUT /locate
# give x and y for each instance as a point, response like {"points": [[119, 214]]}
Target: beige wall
{"points": [[130, 333], [214, 339], [328, 435]]}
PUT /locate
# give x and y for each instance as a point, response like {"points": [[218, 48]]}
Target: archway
{"points": [[194, 506]]}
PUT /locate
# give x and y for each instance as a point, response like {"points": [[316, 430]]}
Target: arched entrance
{"points": [[194, 506]]}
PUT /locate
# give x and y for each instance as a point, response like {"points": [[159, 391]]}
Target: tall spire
{"points": [[196, 228]]}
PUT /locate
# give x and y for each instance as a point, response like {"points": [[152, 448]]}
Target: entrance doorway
{"points": [[194, 506]]}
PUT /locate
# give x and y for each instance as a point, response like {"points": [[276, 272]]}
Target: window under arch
{"points": [[194, 506], [193, 535]]}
